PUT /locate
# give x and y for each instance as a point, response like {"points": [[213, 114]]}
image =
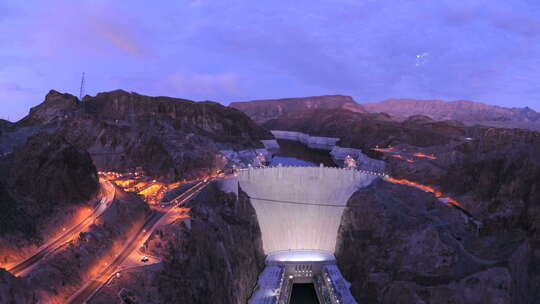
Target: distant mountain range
{"points": [[263, 110], [468, 112]]}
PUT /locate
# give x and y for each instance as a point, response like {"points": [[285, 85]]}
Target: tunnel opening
{"points": [[293, 153], [304, 294]]}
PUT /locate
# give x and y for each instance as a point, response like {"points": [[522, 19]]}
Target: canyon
{"points": [[434, 211]]}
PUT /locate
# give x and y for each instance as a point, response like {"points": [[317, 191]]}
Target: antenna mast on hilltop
{"points": [[81, 92]]}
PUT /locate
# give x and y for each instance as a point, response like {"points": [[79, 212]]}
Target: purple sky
{"points": [[483, 50]]}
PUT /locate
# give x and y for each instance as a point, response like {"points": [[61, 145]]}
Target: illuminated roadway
{"points": [[90, 288], [26, 265]]}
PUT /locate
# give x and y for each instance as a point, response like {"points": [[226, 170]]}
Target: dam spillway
{"points": [[300, 208]]}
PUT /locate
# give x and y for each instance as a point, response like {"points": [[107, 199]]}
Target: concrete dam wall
{"points": [[300, 207], [313, 142]]}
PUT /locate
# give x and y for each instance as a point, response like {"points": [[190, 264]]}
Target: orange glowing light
{"points": [[389, 149], [409, 160], [425, 188], [419, 186], [430, 156], [151, 190], [453, 202]]}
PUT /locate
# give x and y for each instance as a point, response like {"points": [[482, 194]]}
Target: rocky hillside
{"points": [[54, 280], [366, 131], [168, 137], [263, 110], [214, 256], [15, 290], [44, 175], [399, 245], [5, 125], [431, 253], [469, 112]]}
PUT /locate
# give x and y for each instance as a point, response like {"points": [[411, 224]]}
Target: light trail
{"points": [[429, 156], [424, 188], [384, 150], [89, 289], [67, 235]]}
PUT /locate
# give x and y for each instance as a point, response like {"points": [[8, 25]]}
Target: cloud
{"points": [[13, 87], [73, 28], [203, 85], [241, 49], [524, 25]]}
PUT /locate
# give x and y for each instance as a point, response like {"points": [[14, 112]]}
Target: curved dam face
{"points": [[300, 207]]}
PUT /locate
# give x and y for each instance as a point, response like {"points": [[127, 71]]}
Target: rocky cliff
{"points": [[55, 107], [213, 256], [169, 138], [401, 246], [5, 125], [264, 110], [15, 290], [44, 175], [469, 112], [45, 182]]}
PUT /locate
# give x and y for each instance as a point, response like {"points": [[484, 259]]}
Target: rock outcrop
{"points": [[263, 110], [42, 185], [5, 125], [401, 246], [215, 255], [15, 290], [469, 112], [56, 107], [50, 171], [170, 138], [45, 174]]}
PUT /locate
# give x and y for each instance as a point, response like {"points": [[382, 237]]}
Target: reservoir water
{"points": [[292, 153]]}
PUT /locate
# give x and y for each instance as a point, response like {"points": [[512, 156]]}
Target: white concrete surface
{"points": [[286, 256], [268, 286], [271, 144], [314, 142], [337, 287], [300, 207]]}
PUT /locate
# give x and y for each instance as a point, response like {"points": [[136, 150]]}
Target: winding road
{"points": [[26, 265], [89, 289]]}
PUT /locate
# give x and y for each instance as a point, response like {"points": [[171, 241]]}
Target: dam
{"points": [[299, 212], [300, 207]]}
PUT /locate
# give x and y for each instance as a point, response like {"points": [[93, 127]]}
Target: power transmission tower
{"points": [[81, 92]]}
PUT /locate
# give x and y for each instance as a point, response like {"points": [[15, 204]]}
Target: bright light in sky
{"points": [[420, 58], [482, 50]]}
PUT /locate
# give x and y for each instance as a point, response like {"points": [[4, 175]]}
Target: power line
{"points": [[298, 203]]}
